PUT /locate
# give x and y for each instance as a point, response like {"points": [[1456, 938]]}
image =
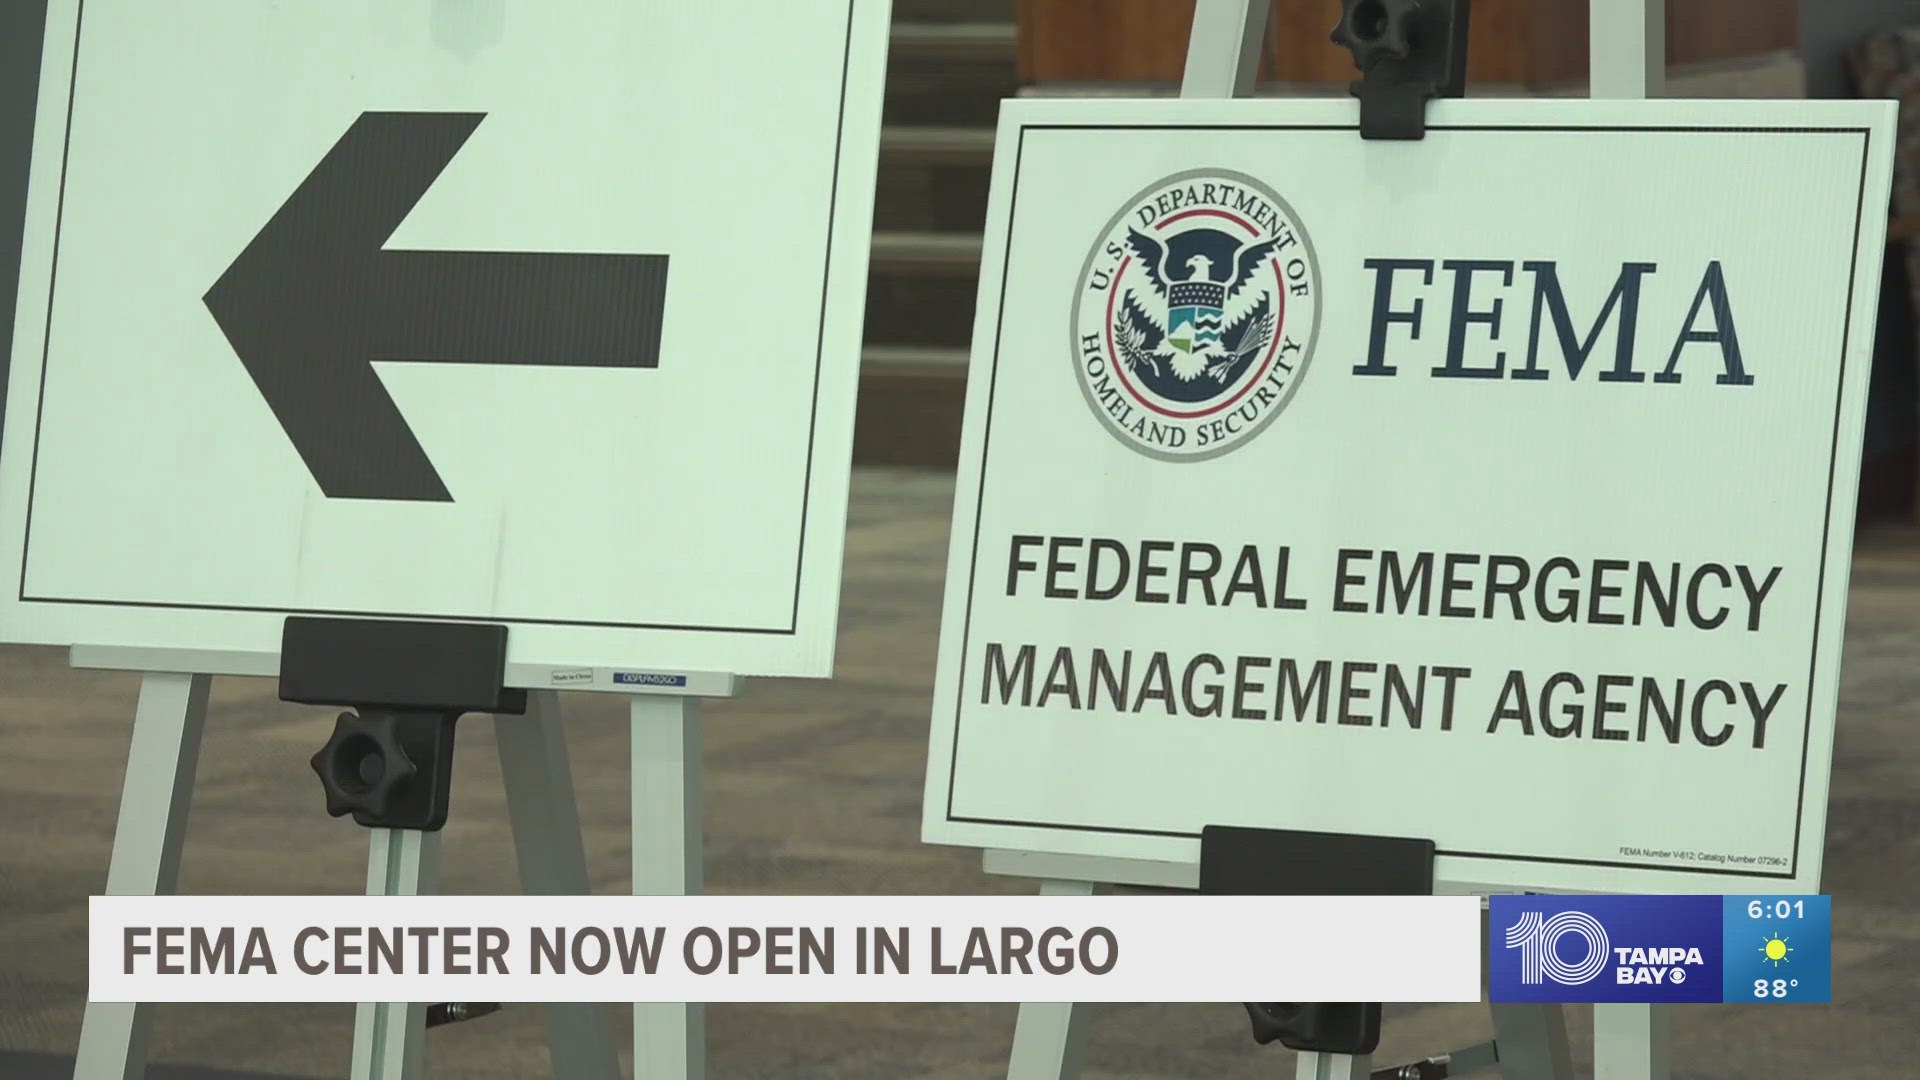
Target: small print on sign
{"points": [[645, 678]]}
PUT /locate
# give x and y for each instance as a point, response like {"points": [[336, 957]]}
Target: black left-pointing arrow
{"points": [[314, 301]]}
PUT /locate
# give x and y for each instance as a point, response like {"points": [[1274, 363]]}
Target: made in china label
{"points": [[1196, 315]]}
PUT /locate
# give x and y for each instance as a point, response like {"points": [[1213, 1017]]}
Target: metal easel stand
{"points": [[1629, 62], [389, 1038], [1530, 1040], [669, 1040], [1049, 1043], [146, 850]]}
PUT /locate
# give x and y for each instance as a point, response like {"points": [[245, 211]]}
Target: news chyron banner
{"points": [[1753, 949], [783, 948], [1495, 488], [1652, 949]]}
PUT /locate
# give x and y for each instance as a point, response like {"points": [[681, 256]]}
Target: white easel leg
{"points": [[390, 1038], [553, 862], [1629, 48], [1223, 53], [1050, 1037], [669, 1040], [1532, 1042], [1629, 61], [146, 850], [1333, 1067], [1223, 61], [1631, 1042]]}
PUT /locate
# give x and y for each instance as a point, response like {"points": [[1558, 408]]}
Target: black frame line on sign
{"points": [[986, 434], [46, 347]]}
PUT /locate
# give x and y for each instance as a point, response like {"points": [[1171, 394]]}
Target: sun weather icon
{"points": [[1775, 948]]}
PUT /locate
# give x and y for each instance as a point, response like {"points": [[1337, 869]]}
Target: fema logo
{"points": [[1196, 314]]}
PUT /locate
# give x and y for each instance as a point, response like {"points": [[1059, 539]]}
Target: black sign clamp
{"points": [[390, 763], [1274, 862], [1238, 861], [1408, 52]]}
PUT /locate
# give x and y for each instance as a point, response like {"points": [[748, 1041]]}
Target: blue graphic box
{"points": [[1605, 948], [1657, 949], [1778, 948]]}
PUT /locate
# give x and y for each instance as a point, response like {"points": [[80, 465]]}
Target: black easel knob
{"points": [[363, 767], [1376, 30], [1408, 52]]}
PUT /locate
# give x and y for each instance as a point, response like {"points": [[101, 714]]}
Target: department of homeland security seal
{"points": [[1196, 315]]}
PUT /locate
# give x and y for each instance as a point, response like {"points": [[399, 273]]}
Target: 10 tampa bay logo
{"points": [[1196, 315]]}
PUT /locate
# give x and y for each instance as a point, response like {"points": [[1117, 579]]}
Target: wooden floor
{"points": [[815, 788]]}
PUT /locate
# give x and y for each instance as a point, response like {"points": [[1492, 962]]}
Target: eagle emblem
{"points": [[1196, 314], [1193, 276]]}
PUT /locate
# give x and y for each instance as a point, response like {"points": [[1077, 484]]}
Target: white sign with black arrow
{"points": [[548, 317]]}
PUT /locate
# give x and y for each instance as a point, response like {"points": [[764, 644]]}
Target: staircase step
{"points": [[914, 360], [911, 401], [922, 288], [930, 312], [930, 144], [953, 10], [952, 63], [967, 41], [951, 73], [923, 199], [934, 179], [947, 94], [926, 254]]}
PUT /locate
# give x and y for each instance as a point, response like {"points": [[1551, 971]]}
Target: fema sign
{"points": [[538, 314], [1196, 315], [1495, 488]]}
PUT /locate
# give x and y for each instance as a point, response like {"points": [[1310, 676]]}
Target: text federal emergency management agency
{"points": [[1711, 597]]}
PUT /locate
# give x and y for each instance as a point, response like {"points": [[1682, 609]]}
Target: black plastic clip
{"points": [[1276, 862], [390, 764], [1408, 52]]}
